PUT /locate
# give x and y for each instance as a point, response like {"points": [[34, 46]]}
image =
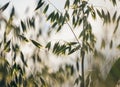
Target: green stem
{"points": [[82, 67]]}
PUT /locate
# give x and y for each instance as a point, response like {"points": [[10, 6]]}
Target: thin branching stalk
{"points": [[66, 23], [82, 63]]}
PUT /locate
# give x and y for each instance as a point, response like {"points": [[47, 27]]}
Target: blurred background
{"points": [[25, 61]]}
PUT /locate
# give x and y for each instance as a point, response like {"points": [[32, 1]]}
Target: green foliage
{"points": [[46, 8], [117, 24], [23, 59], [12, 12], [48, 45], [103, 44], [111, 44], [78, 80], [4, 7], [23, 38], [114, 16], [75, 14], [31, 22], [114, 2], [36, 43], [118, 46], [23, 25], [7, 46], [113, 75], [40, 3], [13, 73], [67, 4]]}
